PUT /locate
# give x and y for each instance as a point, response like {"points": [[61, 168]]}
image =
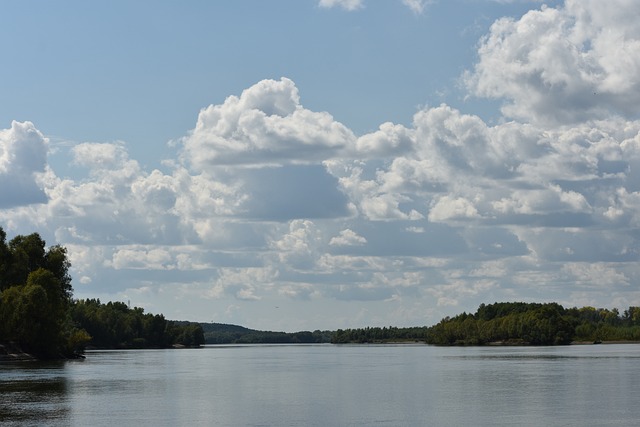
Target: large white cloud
{"points": [[454, 166], [265, 125], [23, 154], [563, 65]]}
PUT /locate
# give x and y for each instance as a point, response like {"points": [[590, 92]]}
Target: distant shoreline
{"points": [[12, 352]]}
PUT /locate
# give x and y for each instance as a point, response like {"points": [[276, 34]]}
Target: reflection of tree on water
{"points": [[34, 391]]}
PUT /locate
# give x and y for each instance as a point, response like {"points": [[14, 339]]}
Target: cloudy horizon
{"points": [[376, 192]]}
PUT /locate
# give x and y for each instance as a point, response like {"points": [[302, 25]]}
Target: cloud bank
{"points": [[267, 200]]}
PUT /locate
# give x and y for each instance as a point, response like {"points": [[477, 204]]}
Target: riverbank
{"points": [[11, 352]]}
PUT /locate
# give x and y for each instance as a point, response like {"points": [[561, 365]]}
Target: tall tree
{"points": [[35, 295]]}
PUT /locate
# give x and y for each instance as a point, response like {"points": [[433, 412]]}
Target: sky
{"points": [[322, 164]]}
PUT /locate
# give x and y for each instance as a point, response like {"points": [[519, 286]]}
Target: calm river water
{"points": [[326, 385]]}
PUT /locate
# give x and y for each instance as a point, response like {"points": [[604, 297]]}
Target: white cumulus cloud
{"points": [[23, 156], [347, 238], [265, 125], [562, 65], [449, 208]]}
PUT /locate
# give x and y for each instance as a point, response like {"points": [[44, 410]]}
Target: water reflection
{"points": [[551, 353], [329, 386], [33, 393]]}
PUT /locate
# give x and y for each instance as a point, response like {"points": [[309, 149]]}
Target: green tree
{"points": [[35, 315], [5, 261], [35, 295]]}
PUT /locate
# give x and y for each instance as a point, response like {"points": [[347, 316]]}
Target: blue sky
{"points": [[327, 164]]}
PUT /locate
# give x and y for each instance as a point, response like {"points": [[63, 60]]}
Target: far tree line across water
{"points": [[501, 323], [513, 323], [39, 315]]}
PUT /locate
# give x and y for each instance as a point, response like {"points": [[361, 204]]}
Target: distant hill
{"points": [[225, 327], [221, 333]]}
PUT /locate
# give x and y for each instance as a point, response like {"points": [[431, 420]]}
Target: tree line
{"points": [[40, 316], [536, 324], [512, 323], [379, 335], [116, 325]]}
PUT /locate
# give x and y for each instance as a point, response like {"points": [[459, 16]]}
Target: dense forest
{"points": [[115, 325], [513, 323], [379, 335], [35, 297], [536, 324], [39, 315]]}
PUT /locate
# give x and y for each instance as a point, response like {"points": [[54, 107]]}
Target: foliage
{"points": [[115, 325], [536, 324], [35, 295], [38, 314], [378, 335], [511, 323]]}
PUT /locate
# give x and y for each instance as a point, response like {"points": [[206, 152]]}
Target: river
{"points": [[329, 385]]}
